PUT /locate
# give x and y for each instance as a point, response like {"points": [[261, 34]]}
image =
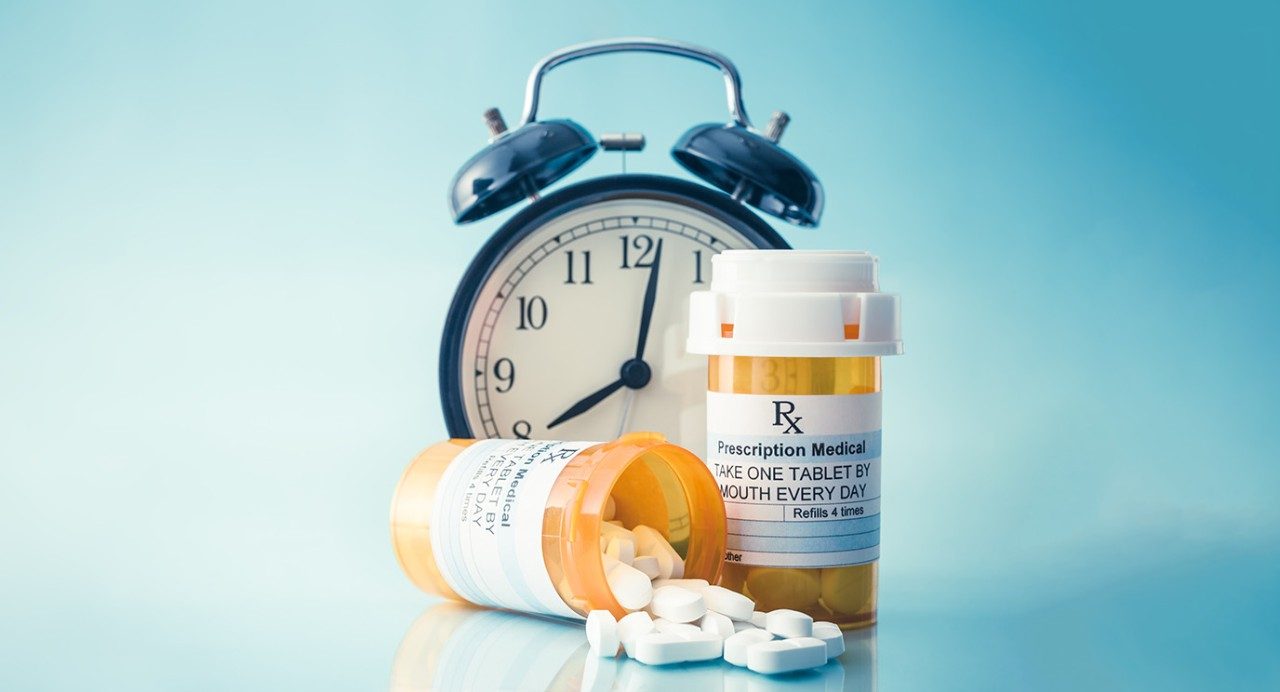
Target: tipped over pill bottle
{"points": [[794, 340], [517, 524]]}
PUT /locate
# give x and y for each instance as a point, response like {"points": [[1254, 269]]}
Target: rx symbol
{"points": [[782, 417]]}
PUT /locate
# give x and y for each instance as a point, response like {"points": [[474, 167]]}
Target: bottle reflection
{"points": [[452, 646]]}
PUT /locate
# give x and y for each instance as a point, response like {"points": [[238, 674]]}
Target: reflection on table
{"points": [[452, 646]]}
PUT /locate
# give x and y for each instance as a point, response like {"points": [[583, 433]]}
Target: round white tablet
{"points": [[629, 585], [830, 633], [726, 602], [682, 629], [661, 648], [602, 633], [735, 647], [717, 624], [789, 623], [622, 549], [631, 626], [677, 605], [785, 655], [647, 564]]}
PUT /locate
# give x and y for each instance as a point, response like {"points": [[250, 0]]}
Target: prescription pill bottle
{"points": [[794, 340], [516, 524]]}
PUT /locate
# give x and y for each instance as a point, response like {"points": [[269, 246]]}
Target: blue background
{"points": [[225, 258]]}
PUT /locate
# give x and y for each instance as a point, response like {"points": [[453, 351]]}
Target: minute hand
{"points": [[650, 294]]}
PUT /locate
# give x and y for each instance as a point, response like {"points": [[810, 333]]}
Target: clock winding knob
{"points": [[493, 120], [777, 124]]}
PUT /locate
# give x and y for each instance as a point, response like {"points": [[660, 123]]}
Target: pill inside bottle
{"points": [[526, 525]]}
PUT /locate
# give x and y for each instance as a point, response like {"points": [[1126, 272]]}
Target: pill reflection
{"points": [[453, 646]]}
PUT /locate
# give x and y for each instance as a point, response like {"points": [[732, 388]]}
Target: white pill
{"points": [[610, 530], [631, 626], [759, 619], [649, 541], [676, 604], [657, 648], [630, 587], [622, 549], [830, 633], [703, 647], [647, 564], [789, 623], [784, 655], [739, 626], [717, 624], [726, 602], [610, 508], [677, 564], [666, 565], [680, 629], [602, 633], [661, 648], [735, 647], [694, 584]]}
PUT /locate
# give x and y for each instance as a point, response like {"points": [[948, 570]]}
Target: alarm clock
{"points": [[570, 322]]}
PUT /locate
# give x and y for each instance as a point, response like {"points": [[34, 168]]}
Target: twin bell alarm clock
{"points": [[570, 323]]}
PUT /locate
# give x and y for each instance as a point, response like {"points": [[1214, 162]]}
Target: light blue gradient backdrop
{"points": [[225, 259]]}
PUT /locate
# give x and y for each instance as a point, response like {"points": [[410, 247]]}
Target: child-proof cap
{"points": [[796, 303]]}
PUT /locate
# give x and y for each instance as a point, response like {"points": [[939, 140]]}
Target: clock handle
{"points": [[732, 82]]}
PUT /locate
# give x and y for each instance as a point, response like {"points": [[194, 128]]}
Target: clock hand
{"points": [[650, 293], [587, 402], [635, 372]]}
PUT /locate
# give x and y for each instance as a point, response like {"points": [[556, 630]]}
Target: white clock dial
{"points": [[560, 315]]}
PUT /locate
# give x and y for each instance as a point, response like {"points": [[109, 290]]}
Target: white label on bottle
{"points": [[800, 477], [486, 525]]}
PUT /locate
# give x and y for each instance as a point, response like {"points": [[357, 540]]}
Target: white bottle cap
{"points": [[794, 303]]}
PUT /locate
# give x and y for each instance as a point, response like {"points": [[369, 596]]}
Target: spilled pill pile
{"points": [[677, 620]]}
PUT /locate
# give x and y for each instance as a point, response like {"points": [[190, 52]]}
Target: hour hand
{"points": [[587, 402]]}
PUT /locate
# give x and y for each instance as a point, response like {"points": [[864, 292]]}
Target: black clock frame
{"points": [[624, 186]]}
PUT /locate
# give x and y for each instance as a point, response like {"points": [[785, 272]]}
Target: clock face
{"points": [[555, 345]]}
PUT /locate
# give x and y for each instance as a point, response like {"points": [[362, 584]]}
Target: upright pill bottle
{"points": [[794, 340], [516, 524]]}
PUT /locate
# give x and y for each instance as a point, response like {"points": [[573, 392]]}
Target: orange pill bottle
{"points": [[516, 524], [794, 340]]}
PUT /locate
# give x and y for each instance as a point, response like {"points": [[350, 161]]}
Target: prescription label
{"points": [[486, 524], [800, 477]]}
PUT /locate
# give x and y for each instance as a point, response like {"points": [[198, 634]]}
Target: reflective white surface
{"points": [[456, 647]]}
